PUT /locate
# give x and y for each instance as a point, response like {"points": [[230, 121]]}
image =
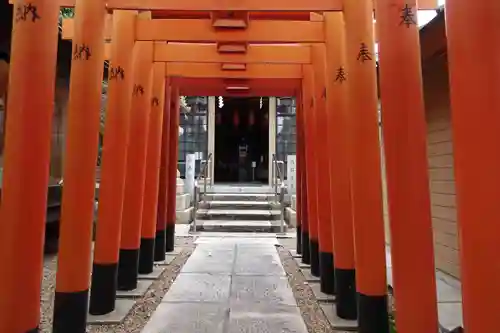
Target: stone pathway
{"points": [[230, 285]]}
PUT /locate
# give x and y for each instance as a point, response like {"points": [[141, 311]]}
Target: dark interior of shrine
{"points": [[242, 140]]}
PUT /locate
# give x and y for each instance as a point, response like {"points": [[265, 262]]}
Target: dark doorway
{"points": [[242, 140]]}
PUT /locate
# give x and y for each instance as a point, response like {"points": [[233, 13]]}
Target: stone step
{"points": [[243, 205], [211, 196], [239, 189], [238, 214], [269, 226]]}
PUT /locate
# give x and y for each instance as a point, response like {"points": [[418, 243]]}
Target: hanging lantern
{"points": [[218, 118], [236, 118], [251, 118]]}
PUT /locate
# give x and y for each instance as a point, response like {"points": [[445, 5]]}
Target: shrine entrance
{"points": [[242, 140]]}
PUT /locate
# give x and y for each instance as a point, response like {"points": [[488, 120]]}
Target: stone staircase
{"points": [[239, 209]]}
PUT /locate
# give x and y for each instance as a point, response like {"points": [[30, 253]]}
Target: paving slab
{"points": [[320, 296], [249, 248], [211, 258], [256, 261], [448, 292], [236, 237], [450, 314], [308, 276], [155, 274], [300, 263], [142, 287], [231, 225], [199, 287], [253, 318], [295, 254], [249, 294], [188, 318], [168, 259], [122, 308], [338, 323], [177, 250], [271, 289]]}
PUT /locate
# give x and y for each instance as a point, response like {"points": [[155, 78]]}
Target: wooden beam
{"points": [[201, 31], [233, 5], [253, 71], [205, 53], [270, 54], [221, 87]]}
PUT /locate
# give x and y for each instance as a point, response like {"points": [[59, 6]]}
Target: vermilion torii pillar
{"points": [[340, 166], [302, 141], [473, 35], [161, 223], [404, 132], [107, 244], [299, 197], [172, 169], [369, 233], [128, 267], [82, 140], [327, 278], [310, 114], [153, 160], [26, 162]]}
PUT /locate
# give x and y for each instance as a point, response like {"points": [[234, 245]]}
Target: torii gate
{"points": [[341, 79]]}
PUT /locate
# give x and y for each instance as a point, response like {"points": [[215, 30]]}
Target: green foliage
{"points": [[392, 323], [67, 12]]}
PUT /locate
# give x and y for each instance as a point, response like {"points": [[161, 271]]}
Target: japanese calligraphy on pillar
{"points": [[138, 90], [340, 75], [26, 12], [116, 73], [364, 53], [155, 101], [323, 94], [291, 173], [407, 16], [81, 52]]}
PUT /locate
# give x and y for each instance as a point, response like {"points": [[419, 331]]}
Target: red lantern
{"points": [[251, 118], [236, 118]]}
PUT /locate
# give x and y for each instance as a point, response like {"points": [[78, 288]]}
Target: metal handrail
{"points": [[197, 194], [280, 195], [277, 174], [204, 171]]}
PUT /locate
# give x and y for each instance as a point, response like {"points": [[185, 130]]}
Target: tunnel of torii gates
{"points": [[230, 48]]}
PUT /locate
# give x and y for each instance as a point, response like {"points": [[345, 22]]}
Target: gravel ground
{"points": [[312, 313], [141, 312]]}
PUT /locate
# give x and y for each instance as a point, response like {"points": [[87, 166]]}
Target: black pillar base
{"points": [[146, 256], [299, 239], [170, 237], [70, 311], [314, 247], [103, 290], [373, 315], [35, 330], [306, 250], [160, 245], [128, 269], [345, 289], [327, 274]]}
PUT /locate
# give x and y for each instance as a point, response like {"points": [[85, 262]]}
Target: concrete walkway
{"points": [[230, 285]]}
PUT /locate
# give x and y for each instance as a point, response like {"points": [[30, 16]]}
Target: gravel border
{"points": [[314, 318], [144, 307]]}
